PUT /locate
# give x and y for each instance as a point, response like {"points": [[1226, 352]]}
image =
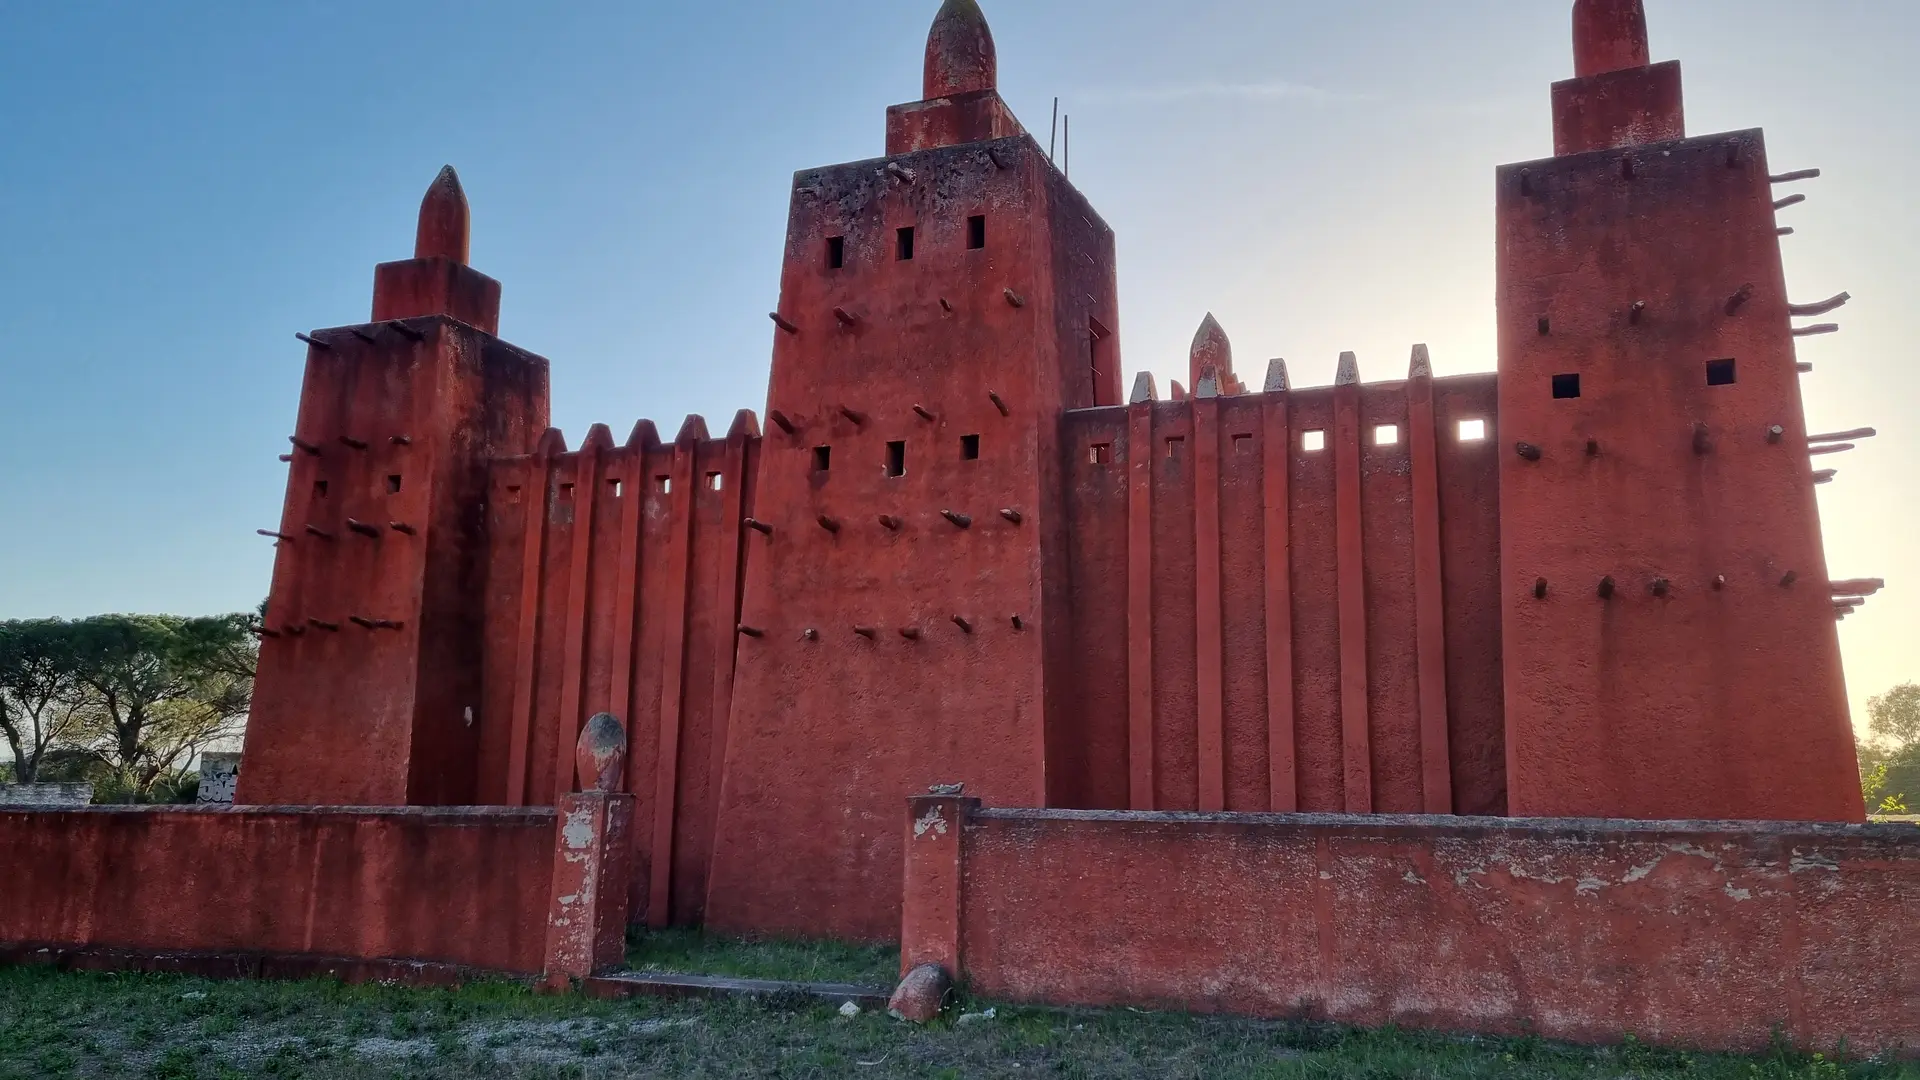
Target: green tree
{"points": [[1895, 716], [1890, 762], [156, 690], [39, 691]]}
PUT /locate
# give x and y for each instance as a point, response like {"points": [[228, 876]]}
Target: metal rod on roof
{"points": [[1066, 145], [1053, 129]]}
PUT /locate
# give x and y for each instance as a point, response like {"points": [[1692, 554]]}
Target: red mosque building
{"points": [[953, 549]]}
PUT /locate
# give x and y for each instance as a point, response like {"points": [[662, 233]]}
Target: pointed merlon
{"points": [[1179, 392], [552, 441], [445, 222], [1421, 366], [1348, 374], [1208, 386], [1609, 35], [645, 435], [692, 430], [745, 425], [1210, 352], [961, 58], [1143, 389], [599, 436], [1276, 377]]}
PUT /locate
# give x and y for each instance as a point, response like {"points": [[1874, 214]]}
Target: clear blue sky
{"points": [[185, 184]]}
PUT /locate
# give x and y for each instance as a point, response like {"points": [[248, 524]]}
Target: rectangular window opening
{"points": [[664, 484], [1566, 386], [896, 459], [566, 491], [1175, 445], [1313, 441], [836, 252], [1099, 453], [822, 458], [319, 489], [1242, 445], [1720, 373], [1386, 435], [714, 481], [615, 485], [903, 245], [970, 448], [977, 232], [1472, 430], [393, 484]]}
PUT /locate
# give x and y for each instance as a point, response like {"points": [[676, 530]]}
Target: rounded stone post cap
{"points": [[601, 754]]}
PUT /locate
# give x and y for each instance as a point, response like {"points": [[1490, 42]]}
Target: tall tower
{"points": [[1669, 639], [369, 680], [904, 599]]}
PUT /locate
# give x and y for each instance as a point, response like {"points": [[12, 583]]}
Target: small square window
{"points": [[903, 244], [1313, 441], [1472, 430], [393, 484], [1242, 444], [1720, 373], [836, 252], [319, 489], [1566, 386], [714, 481], [970, 447], [1175, 446], [1099, 453], [977, 232], [663, 484], [1386, 435], [822, 458], [896, 459]]}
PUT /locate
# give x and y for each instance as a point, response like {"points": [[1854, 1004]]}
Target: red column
{"points": [[1140, 599], [1207, 615], [1283, 783], [930, 908], [592, 856], [1436, 769], [1356, 744]]}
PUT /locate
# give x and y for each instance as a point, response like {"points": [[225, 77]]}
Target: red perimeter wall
{"points": [[464, 887], [1702, 934]]}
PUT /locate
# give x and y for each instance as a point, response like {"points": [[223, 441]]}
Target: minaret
{"points": [[368, 687], [1669, 637], [939, 308]]}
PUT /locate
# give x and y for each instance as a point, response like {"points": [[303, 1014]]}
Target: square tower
{"points": [[1669, 638], [904, 598]]}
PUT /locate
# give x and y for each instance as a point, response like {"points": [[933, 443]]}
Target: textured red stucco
{"points": [[1708, 935], [463, 887]]}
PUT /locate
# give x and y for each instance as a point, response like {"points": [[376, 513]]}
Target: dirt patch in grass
{"points": [[175, 1028], [690, 952]]}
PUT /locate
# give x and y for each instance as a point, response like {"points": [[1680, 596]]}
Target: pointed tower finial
{"points": [[1276, 377], [1143, 389], [1421, 366], [1348, 373], [1609, 35], [1212, 354], [445, 222], [960, 55]]}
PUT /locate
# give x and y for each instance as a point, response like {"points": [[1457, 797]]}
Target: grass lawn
{"points": [[158, 1027]]}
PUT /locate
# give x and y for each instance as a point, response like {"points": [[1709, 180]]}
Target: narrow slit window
{"points": [[1566, 386], [1720, 373], [822, 458], [1099, 453], [896, 459], [977, 232], [970, 448], [903, 244], [1313, 441], [615, 486], [836, 252], [1472, 430], [1175, 446], [393, 484], [1386, 435], [566, 491], [714, 481], [1242, 445]]}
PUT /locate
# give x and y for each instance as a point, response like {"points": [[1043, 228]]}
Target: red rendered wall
{"points": [[624, 600], [1187, 550], [1708, 935], [831, 728], [465, 887], [1708, 685], [369, 677]]}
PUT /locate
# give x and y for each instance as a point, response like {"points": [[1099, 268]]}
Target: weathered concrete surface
{"points": [[46, 795], [461, 887], [1697, 933]]}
